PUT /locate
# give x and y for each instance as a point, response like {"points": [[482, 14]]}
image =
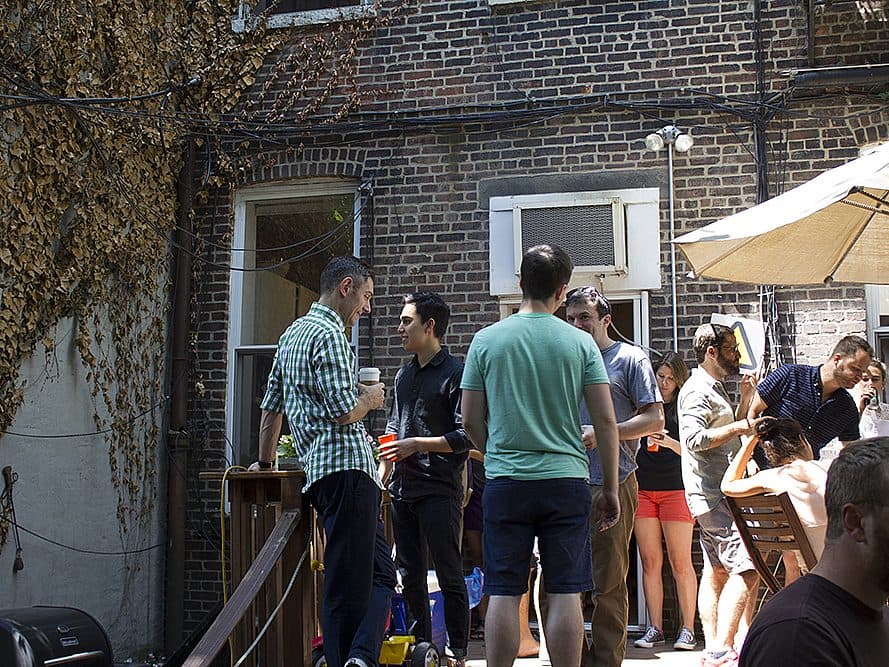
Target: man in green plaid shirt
{"points": [[312, 381]]}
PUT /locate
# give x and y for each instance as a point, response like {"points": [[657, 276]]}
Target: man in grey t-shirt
{"points": [[639, 410]]}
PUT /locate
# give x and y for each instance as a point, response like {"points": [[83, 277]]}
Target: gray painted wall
{"points": [[64, 493]]}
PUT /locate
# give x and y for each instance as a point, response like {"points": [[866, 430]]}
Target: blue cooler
{"points": [[436, 610]]}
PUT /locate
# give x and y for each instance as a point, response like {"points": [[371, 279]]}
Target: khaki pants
{"points": [[611, 559]]}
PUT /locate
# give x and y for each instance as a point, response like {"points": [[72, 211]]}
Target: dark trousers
{"points": [[359, 576], [437, 522]]}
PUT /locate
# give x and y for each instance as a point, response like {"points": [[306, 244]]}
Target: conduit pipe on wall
{"points": [[850, 75], [174, 615]]}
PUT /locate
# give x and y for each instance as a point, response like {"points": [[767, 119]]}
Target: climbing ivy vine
{"points": [[98, 98]]}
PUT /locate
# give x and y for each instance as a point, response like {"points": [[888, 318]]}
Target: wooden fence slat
{"points": [[271, 594]]}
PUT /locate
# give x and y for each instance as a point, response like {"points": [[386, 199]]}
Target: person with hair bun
{"points": [[793, 471]]}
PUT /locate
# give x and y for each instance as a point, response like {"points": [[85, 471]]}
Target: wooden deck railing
{"points": [[271, 528]]}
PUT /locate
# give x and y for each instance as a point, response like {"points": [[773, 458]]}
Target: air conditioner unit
{"points": [[592, 231]]}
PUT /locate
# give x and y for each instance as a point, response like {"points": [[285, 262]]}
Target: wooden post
{"points": [[265, 553]]}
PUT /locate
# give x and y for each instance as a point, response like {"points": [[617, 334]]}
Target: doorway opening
{"points": [[283, 237]]}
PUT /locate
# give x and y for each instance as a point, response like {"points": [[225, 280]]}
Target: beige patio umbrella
{"points": [[834, 227]]}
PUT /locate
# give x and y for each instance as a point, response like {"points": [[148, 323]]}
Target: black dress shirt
{"points": [[426, 403]]}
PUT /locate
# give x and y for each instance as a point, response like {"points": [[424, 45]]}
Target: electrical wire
{"points": [[407, 119], [86, 551], [53, 436], [634, 343], [318, 248], [124, 100]]}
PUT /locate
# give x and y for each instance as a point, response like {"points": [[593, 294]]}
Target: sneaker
{"points": [[727, 659], [355, 662], [455, 657], [652, 637], [685, 641]]}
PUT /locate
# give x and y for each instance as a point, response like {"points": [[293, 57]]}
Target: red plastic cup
{"points": [[653, 445], [387, 438]]}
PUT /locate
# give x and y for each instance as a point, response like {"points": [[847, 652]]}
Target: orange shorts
{"points": [[663, 505]]}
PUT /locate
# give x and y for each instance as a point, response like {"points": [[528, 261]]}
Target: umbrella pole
{"points": [[673, 248]]}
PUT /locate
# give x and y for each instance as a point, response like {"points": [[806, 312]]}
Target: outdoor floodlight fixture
{"points": [[683, 143], [669, 136]]}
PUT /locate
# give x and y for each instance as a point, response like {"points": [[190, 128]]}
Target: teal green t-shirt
{"points": [[533, 368]]}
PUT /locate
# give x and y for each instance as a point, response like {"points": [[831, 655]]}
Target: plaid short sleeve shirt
{"points": [[312, 381]]}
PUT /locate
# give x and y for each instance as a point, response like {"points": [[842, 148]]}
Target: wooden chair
{"points": [[768, 523]]}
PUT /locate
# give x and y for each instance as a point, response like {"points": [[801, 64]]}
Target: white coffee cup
{"points": [[369, 375]]}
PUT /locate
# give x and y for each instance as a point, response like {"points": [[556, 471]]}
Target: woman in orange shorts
{"points": [[663, 511]]}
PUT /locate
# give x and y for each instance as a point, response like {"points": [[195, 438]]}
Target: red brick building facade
{"points": [[542, 98]]}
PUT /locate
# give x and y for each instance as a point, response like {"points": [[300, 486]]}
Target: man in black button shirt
{"points": [[837, 615], [426, 484]]}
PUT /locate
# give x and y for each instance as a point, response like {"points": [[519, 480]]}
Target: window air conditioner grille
{"points": [[585, 232]]}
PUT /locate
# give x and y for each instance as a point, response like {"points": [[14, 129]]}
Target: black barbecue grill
{"points": [[52, 637]]}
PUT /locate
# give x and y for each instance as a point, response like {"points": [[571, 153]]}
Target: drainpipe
{"points": [[178, 436]]}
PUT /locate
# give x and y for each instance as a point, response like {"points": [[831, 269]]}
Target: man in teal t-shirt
{"points": [[522, 385]]}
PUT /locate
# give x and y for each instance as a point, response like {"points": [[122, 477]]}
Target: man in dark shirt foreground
{"points": [[837, 614], [429, 458]]}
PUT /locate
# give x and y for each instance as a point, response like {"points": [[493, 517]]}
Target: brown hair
{"points": [[860, 476], [709, 335], [676, 364], [545, 268], [342, 267], [849, 345], [780, 439]]}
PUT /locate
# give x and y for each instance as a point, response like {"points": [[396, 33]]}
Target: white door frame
{"points": [[244, 236]]}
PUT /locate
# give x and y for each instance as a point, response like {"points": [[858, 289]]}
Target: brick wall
{"points": [[688, 62]]}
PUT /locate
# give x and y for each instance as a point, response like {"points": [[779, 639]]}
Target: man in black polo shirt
{"points": [[429, 456], [816, 396]]}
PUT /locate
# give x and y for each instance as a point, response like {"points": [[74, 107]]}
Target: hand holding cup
{"points": [[392, 449], [375, 394], [868, 398], [369, 385], [654, 440]]}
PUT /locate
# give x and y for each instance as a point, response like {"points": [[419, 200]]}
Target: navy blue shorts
{"points": [[557, 512]]}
